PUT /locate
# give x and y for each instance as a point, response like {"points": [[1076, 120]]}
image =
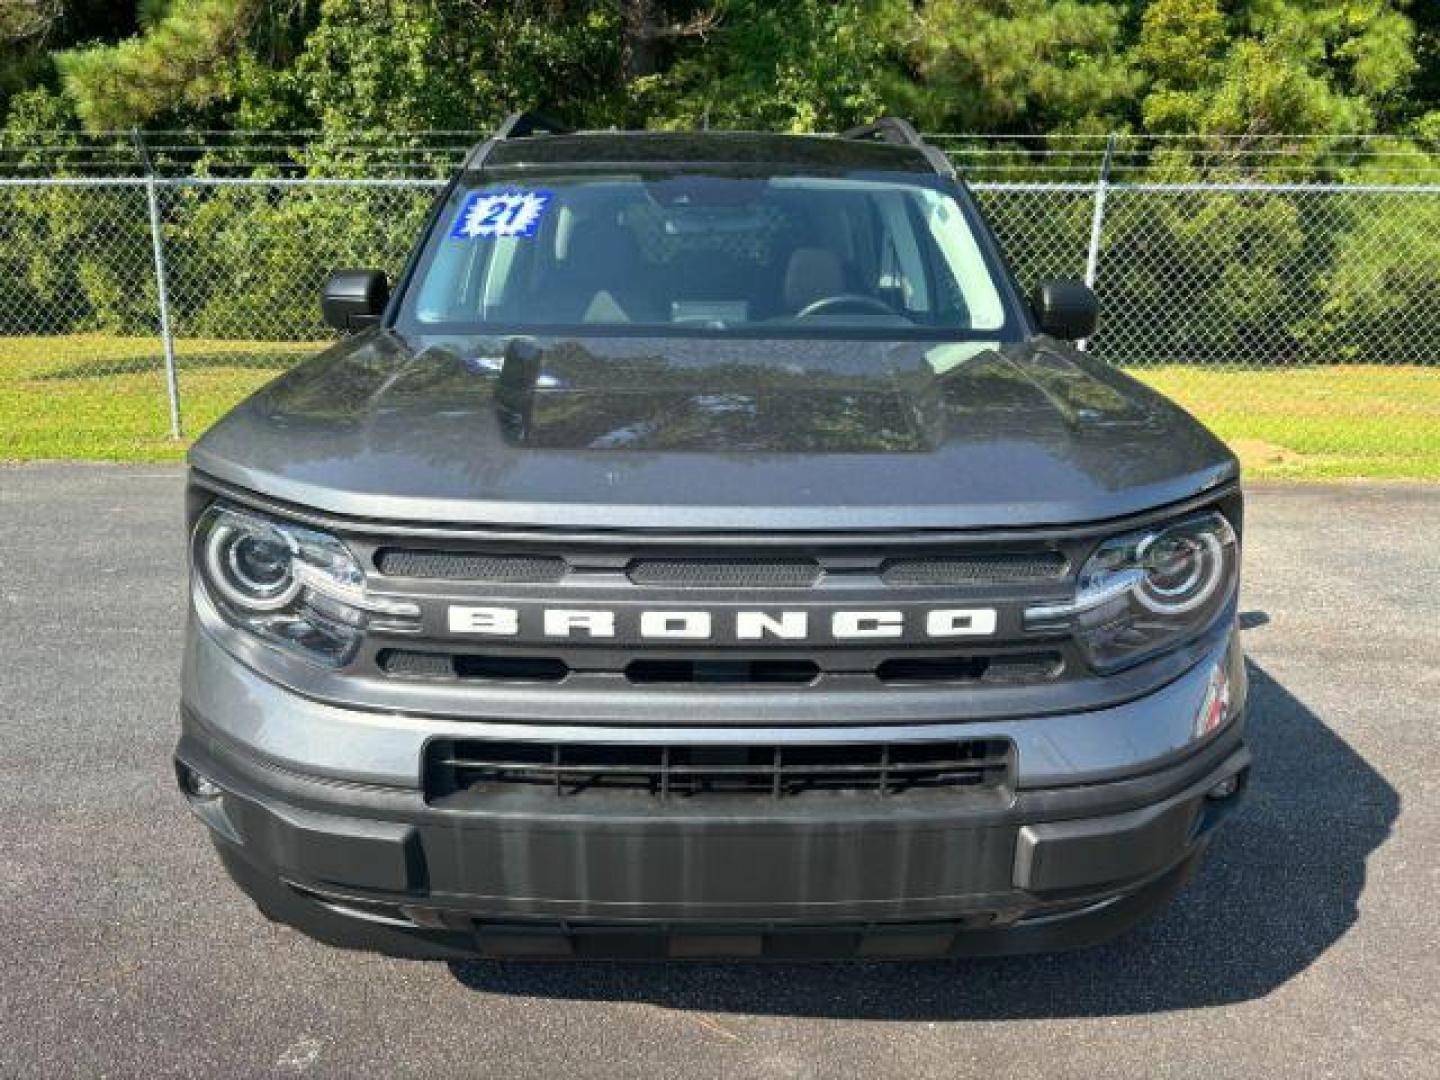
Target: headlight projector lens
{"points": [[251, 564], [261, 565], [1181, 568]]}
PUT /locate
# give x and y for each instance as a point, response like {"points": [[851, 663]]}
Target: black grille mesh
{"points": [[469, 566], [413, 664], [974, 569], [726, 573], [700, 573]]}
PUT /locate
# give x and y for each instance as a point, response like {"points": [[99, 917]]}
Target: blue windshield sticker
{"points": [[500, 213]]}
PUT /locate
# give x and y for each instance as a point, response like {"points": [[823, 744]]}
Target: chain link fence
{"points": [[1298, 320]]}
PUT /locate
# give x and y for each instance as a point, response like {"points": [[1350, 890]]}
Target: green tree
{"points": [[808, 65], [1276, 67], [1022, 65], [421, 64], [1031, 66], [178, 66]]}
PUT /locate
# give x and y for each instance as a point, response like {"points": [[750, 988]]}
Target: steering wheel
{"points": [[827, 304]]}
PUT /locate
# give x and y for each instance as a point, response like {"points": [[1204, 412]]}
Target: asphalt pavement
{"points": [[1309, 945]]}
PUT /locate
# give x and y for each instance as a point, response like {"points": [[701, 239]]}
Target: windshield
{"points": [[704, 253]]}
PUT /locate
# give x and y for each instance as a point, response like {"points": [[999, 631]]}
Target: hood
{"points": [[700, 433]]}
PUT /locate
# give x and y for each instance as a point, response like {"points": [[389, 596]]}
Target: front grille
{"points": [[722, 671], [414, 664], [975, 569], [721, 573], [1004, 668], [725, 573], [469, 566], [764, 612], [750, 671], [474, 767]]}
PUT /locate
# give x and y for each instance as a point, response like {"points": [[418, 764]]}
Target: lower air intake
{"points": [[460, 769]]}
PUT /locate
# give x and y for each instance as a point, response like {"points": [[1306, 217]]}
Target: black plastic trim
{"points": [[346, 873]]}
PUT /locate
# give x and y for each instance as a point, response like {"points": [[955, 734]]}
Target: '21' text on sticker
{"points": [[501, 213]]}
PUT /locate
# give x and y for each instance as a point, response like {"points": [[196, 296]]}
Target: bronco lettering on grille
{"points": [[747, 625]]}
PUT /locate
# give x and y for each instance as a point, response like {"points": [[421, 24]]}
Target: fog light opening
{"points": [[197, 785], [1224, 789]]}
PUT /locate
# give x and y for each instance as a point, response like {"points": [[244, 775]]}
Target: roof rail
{"points": [[518, 125], [522, 125], [898, 132], [890, 129]]}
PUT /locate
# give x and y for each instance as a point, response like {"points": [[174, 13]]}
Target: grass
{"points": [[1317, 423], [101, 397]]}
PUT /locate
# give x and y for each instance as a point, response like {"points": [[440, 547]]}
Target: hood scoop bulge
{"points": [[565, 397]]}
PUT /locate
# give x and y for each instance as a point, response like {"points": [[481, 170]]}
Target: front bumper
{"points": [[359, 861]]}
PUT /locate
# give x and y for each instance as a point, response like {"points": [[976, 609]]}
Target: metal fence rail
{"points": [[1052, 158], [176, 295]]}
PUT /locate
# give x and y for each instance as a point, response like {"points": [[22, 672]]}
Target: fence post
{"points": [[1097, 219], [162, 292]]}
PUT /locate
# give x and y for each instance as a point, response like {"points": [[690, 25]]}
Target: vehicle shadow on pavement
{"points": [[1281, 885]]}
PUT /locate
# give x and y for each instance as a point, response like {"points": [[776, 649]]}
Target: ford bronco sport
{"points": [[704, 550]]}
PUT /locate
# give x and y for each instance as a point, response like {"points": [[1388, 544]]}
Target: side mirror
{"points": [[354, 299], [1067, 310]]}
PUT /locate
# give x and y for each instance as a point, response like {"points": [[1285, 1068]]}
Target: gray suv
{"points": [[705, 551]]}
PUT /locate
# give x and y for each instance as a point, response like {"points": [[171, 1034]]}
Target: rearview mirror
{"points": [[354, 299], [1067, 310]]}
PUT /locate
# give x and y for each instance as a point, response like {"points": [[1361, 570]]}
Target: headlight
{"points": [[289, 585], [1146, 592]]}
